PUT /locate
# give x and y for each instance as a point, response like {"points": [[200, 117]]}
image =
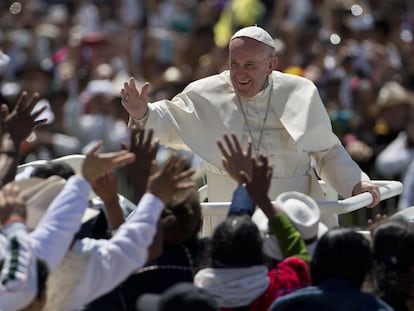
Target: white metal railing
{"points": [[214, 212], [388, 189]]}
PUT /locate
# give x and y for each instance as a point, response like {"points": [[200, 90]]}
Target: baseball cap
{"points": [[181, 296], [257, 33]]}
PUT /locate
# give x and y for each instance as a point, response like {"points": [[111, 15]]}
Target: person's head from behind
{"points": [[181, 219], [251, 60], [236, 242], [393, 242], [181, 296], [344, 254]]}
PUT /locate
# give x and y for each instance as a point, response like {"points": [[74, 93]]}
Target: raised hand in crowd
{"points": [[135, 101], [96, 165], [106, 187], [21, 121], [12, 204], [172, 179], [15, 126], [254, 174], [234, 159], [258, 184], [145, 150]]}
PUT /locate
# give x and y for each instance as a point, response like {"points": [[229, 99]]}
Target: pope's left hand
{"points": [[367, 186]]}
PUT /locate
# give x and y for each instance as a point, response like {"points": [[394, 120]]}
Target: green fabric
{"points": [[289, 238]]}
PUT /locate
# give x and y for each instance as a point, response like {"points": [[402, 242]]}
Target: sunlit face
{"points": [[250, 64]]}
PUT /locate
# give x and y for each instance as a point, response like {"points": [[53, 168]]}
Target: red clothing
{"points": [[289, 275]]}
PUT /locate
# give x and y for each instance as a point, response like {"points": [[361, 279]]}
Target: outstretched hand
{"points": [[96, 165], [145, 150], [171, 180], [234, 159], [21, 121], [258, 183], [133, 100], [142, 145]]}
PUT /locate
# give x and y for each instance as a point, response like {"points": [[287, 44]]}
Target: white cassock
{"points": [[296, 134]]}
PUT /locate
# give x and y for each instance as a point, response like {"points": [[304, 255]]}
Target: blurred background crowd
{"points": [[78, 53]]}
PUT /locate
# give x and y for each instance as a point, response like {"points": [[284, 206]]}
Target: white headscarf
{"points": [[233, 287]]}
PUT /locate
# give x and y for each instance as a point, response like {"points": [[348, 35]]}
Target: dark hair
{"points": [[342, 253], [236, 242], [393, 242], [182, 220], [63, 170]]}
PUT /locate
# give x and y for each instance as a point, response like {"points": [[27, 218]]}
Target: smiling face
{"points": [[250, 63]]}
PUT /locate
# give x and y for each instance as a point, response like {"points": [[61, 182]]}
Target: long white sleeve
{"points": [[337, 168], [54, 233], [111, 261]]}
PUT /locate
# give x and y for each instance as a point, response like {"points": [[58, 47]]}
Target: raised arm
{"points": [[145, 150], [254, 177], [106, 187], [54, 233], [16, 126], [289, 238], [235, 160], [111, 261]]}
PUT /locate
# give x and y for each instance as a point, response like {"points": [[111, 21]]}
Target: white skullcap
{"points": [[257, 33]]}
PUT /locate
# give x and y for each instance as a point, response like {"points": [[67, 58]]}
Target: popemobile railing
{"points": [[214, 212]]}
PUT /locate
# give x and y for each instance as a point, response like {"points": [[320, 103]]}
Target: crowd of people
{"points": [[258, 100]]}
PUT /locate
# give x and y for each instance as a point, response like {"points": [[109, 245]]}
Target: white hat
{"points": [[304, 213], [75, 161], [40, 193], [257, 33]]}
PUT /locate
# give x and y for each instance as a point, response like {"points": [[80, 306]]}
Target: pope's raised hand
{"points": [[135, 101]]}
